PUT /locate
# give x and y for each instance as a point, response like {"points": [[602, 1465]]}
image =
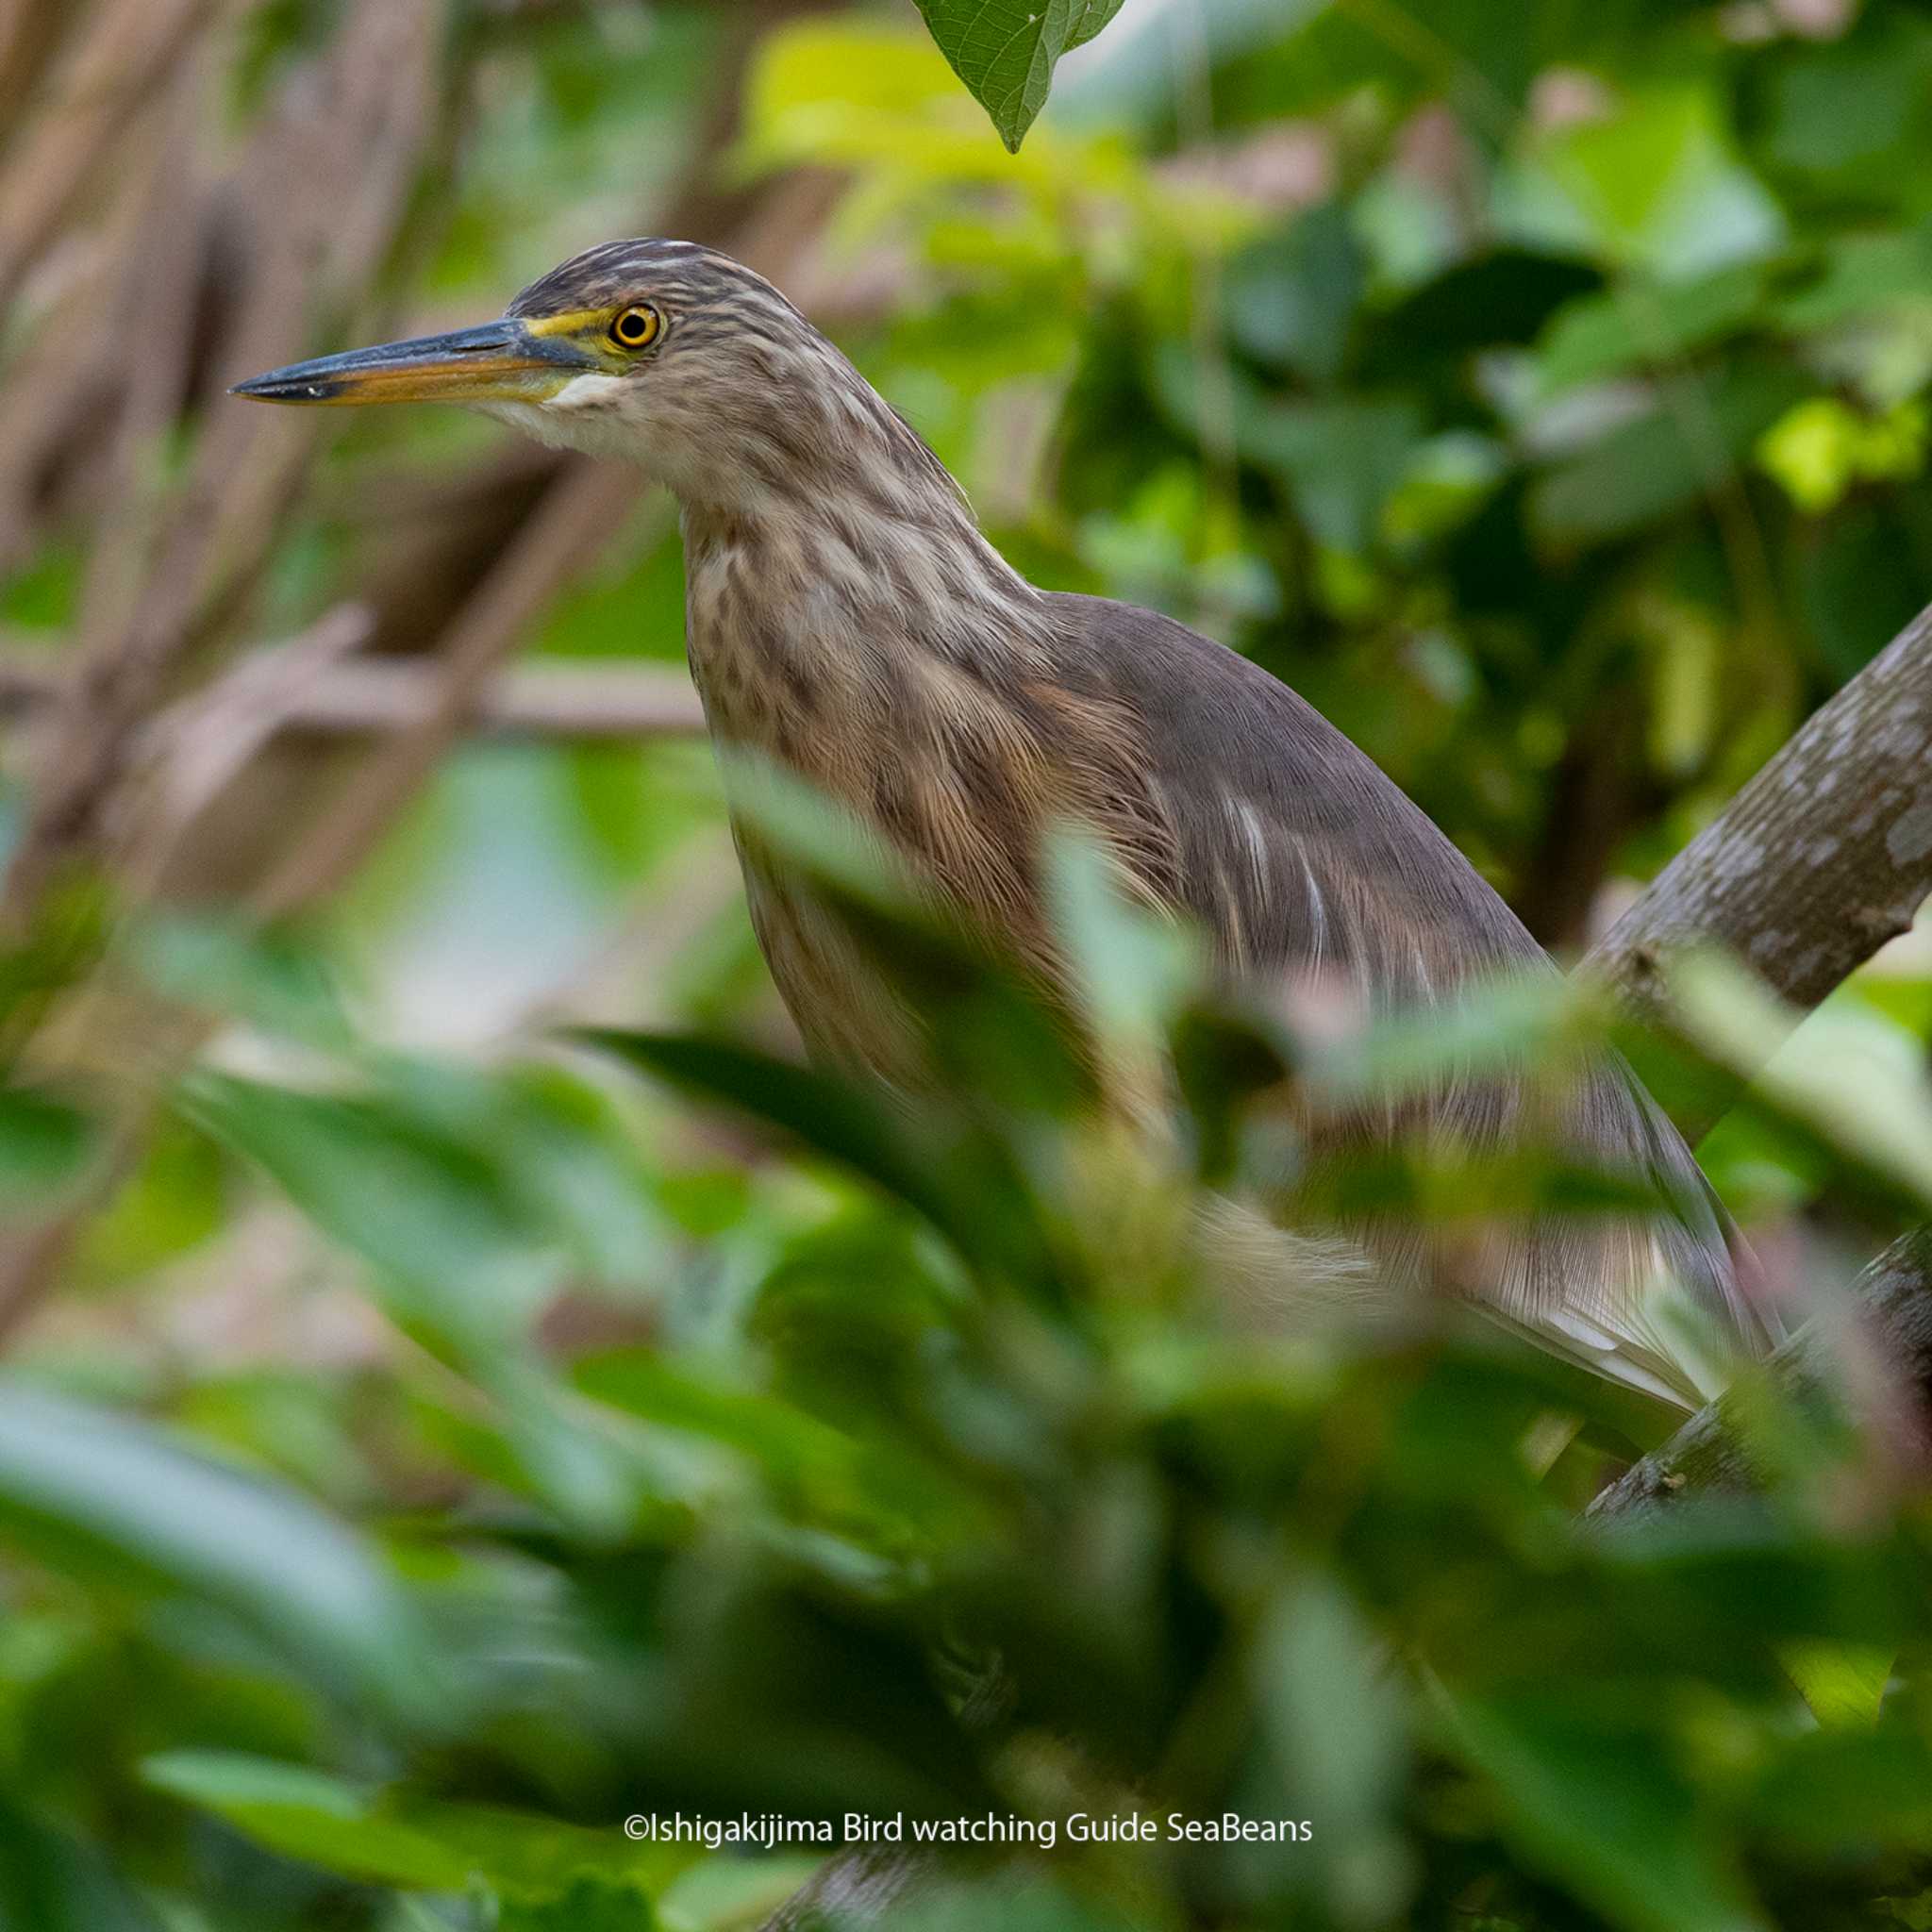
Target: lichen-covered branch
{"points": [[1877, 1360], [1819, 859]]}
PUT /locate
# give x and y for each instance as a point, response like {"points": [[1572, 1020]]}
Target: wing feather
{"points": [[1300, 858]]}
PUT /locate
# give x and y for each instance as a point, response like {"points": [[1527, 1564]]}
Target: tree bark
{"points": [[1819, 859], [1879, 1363]]}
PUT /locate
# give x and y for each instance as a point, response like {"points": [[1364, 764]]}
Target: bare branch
{"points": [[1819, 859], [570, 701]]}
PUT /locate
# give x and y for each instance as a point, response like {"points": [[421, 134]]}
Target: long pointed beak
{"points": [[501, 361]]}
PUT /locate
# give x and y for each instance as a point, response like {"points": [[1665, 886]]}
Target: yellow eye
{"points": [[637, 327]]}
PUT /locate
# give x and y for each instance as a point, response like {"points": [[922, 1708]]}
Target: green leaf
{"points": [[308, 1815], [362, 1831], [1005, 50], [50, 1882], [1595, 1800], [1847, 1790], [826, 1114], [1657, 186], [967, 1189], [1291, 296], [1334, 1714], [413, 1200], [1843, 1683], [78, 1481], [44, 1145], [1341, 459], [1642, 321], [591, 1904], [1658, 463]]}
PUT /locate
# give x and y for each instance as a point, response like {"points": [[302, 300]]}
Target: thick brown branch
{"points": [[1819, 859]]}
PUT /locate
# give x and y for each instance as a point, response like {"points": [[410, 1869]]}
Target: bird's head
{"points": [[665, 352]]}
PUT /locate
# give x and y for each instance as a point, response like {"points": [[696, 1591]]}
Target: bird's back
{"points": [[1304, 861]]}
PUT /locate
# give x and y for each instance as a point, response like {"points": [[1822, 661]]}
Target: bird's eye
{"points": [[637, 327]]}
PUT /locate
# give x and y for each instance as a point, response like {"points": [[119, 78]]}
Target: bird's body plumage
{"points": [[847, 618]]}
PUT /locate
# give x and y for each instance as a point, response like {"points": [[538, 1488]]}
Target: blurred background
{"points": [[1541, 391]]}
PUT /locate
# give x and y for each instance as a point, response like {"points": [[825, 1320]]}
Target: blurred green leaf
{"points": [[415, 1200], [78, 1480], [1291, 297], [1640, 322], [53, 1882], [44, 1145], [1340, 461], [1595, 1800], [304, 1814], [1653, 184], [1843, 1791]]}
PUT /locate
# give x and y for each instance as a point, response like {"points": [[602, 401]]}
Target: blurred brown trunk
{"points": [[1598, 795]]}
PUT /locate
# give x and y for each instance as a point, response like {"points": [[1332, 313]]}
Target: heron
{"points": [[847, 620]]}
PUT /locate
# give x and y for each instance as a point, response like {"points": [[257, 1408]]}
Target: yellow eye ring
{"points": [[637, 327]]}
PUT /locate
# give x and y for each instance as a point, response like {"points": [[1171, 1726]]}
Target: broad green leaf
{"points": [[1597, 1805], [81, 1481], [1291, 296], [1341, 459], [1843, 1683], [423, 1206], [1863, 274], [51, 1881], [1846, 1074], [1654, 466], [1657, 186], [308, 1815], [362, 1831], [1005, 50], [966, 1187], [827, 1115], [1847, 1788], [1333, 1707], [1641, 321]]}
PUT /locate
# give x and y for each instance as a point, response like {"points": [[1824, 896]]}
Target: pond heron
{"points": [[847, 621]]}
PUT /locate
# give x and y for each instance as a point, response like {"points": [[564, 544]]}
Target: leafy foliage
{"points": [[462, 1432]]}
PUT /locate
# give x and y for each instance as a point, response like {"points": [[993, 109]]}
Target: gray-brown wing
{"points": [[1300, 857]]}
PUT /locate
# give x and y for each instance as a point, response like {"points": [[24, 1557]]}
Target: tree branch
{"points": [[1819, 859], [374, 697], [1880, 1358]]}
